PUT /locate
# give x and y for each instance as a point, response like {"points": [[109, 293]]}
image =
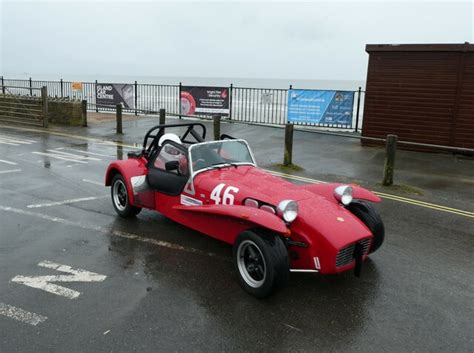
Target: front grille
{"points": [[346, 255]]}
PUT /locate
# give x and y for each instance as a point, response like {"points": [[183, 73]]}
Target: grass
{"points": [[288, 168]]}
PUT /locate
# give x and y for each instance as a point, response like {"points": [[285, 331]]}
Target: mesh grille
{"points": [[346, 255]]}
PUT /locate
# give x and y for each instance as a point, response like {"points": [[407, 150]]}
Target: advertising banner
{"points": [[199, 100], [111, 94], [320, 107]]}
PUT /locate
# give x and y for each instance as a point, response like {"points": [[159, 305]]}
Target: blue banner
{"points": [[320, 107]]}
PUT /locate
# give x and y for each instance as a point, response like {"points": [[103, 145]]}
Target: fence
{"points": [[246, 104], [26, 109]]}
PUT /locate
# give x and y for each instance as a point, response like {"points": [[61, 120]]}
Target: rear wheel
{"points": [[120, 198], [261, 261], [371, 218]]}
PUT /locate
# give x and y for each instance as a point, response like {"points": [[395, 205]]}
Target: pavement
{"points": [[149, 284]]}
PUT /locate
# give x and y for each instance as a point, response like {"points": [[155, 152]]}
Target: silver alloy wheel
{"points": [[120, 197], [251, 264]]}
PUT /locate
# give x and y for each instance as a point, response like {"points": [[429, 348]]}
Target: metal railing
{"points": [[266, 106]]}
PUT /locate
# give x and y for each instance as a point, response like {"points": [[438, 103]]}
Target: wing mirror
{"points": [[171, 165]]}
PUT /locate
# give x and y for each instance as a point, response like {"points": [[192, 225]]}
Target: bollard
{"points": [[162, 116], [119, 118], [44, 103], [217, 127], [391, 149], [84, 113], [288, 153]]}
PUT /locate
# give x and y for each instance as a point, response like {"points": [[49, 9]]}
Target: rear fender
{"points": [[327, 190], [254, 216], [127, 168]]}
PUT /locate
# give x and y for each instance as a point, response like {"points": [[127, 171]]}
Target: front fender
{"points": [[327, 191], [257, 217]]}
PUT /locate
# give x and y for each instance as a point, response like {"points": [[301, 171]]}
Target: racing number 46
{"points": [[227, 198]]}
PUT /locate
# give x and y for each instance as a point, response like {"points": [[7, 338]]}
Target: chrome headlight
{"points": [[288, 210], [343, 194]]}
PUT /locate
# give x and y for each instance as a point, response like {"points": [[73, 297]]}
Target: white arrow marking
{"points": [[21, 315], [44, 282]]}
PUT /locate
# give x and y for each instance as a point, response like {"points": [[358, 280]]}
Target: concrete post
{"points": [[44, 103], [84, 113], [162, 116], [391, 149], [3, 85], [288, 153], [217, 127], [119, 119]]}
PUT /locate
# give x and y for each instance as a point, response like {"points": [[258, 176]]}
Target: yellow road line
{"points": [[387, 196], [284, 175]]}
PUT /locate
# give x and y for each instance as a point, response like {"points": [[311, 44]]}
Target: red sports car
{"points": [[274, 226]]}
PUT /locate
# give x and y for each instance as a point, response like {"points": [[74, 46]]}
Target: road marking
{"points": [[65, 202], [87, 152], [8, 162], [387, 196], [78, 137], [74, 156], [63, 158], [117, 233], [10, 171], [9, 140], [44, 282], [93, 182], [21, 315]]}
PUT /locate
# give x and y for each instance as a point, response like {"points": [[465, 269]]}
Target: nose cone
{"points": [[322, 220]]}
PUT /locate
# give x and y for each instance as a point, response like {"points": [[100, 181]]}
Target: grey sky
{"points": [[312, 40]]}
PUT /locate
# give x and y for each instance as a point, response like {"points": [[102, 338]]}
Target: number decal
{"points": [[227, 197]]}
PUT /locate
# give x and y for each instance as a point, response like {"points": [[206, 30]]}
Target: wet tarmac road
{"points": [[167, 288]]}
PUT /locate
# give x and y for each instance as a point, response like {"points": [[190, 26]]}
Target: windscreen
{"points": [[215, 154]]}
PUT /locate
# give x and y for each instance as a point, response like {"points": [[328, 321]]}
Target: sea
{"points": [[324, 84]]}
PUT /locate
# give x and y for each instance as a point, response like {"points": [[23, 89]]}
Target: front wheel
{"points": [[261, 261], [371, 218], [120, 198]]}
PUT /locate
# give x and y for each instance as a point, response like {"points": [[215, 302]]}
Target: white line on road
{"points": [[53, 155], [8, 162], [44, 282], [21, 315], [107, 231], [64, 202], [10, 171], [75, 156], [92, 182], [88, 152]]}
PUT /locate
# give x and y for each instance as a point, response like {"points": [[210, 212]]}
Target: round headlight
{"points": [[343, 194], [288, 210]]}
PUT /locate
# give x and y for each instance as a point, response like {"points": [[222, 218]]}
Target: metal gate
{"points": [[18, 108]]}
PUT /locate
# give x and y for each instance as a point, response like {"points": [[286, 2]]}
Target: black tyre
{"points": [[261, 261], [120, 198], [371, 218]]}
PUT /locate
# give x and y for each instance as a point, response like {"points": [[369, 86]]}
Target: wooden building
{"points": [[421, 92]]}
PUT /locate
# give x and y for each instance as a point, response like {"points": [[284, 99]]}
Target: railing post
{"points": [[288, 153], [31, 87], [217, 126], [44, 104], [95, 94], [3, 86], [230, 100], [119, 118], [179, 101], [62, 88], [391, 149], [162, 116], [358, 109], [84, 112], [136, 98]]}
